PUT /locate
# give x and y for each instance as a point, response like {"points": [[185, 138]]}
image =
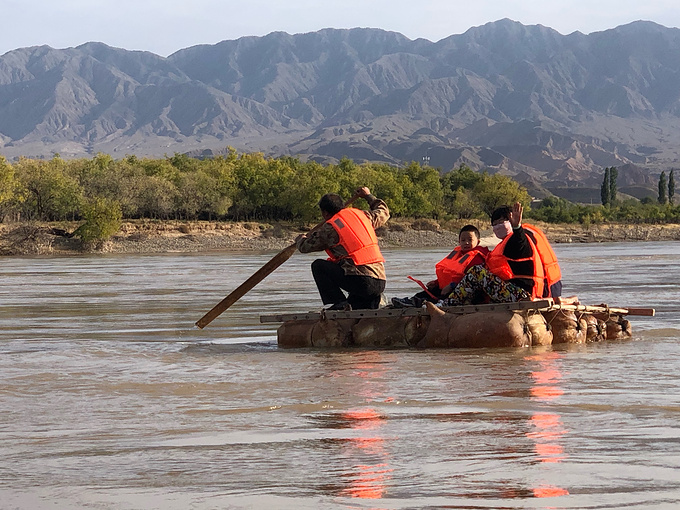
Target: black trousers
{"points": [[477, 299], [426, 297], [363, 291]]}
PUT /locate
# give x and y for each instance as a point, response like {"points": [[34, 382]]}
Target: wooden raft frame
{"points": [[543, 305]]}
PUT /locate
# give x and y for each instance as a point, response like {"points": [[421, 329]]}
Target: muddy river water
{"points": [[110, 398]]}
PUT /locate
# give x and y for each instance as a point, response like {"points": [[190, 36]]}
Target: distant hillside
{"points": [[549, 109]]}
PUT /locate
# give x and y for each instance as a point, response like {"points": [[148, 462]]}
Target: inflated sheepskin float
{"points": [[523, 324]]}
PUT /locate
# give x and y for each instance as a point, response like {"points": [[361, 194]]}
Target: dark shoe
{"points": [[451, 302], [343, 306], [407, 302]]}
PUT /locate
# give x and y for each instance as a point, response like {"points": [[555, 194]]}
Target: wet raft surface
{"points": [[523, 324]]}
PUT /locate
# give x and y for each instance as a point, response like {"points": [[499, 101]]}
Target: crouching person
{"points": [[355, 264]]}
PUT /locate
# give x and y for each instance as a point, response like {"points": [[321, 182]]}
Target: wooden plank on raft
{"points": [[644, 312], [406, 312], [354, 314], [542, 304]]}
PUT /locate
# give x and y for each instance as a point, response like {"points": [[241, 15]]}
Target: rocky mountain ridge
{"points": [[551, 110]]}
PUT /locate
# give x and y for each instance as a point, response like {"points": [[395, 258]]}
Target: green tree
{"points": [[457, 196], [348, 176], [493, 191], [156, 197], [221, 171], [613, 174], [604, 189], [663, 186], [7, 184], [308, 184], [162, 168], [102, 219], [671, 187], [386, 182], [195, 192], [184, 163], [251, 178], [559, 210], [462, 204], [461, 177], [422, 190], [123, 182], [50, 193]]}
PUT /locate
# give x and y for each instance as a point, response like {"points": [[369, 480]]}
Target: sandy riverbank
{"points": [[146, 236]]}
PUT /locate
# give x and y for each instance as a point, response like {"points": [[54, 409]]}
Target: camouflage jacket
{"points": [[326, 238]]}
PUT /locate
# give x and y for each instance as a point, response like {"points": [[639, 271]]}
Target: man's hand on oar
{"points": [[262, 273]]}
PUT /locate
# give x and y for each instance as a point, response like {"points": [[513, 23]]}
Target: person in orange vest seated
{"points": [[522, 266], [450, 270], [355, 264]]}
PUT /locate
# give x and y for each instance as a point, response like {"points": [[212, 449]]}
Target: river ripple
{"points": [[110, 398]]}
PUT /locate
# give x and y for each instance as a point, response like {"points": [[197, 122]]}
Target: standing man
{"points": [[355, 263]]}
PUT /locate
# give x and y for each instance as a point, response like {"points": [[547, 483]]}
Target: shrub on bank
{"points": [[102, 217], [559, 210]]}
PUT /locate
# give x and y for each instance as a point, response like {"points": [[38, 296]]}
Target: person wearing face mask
{"points": [[522, 266]]}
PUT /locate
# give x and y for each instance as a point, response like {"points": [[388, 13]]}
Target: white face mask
{"points": [[502, 230]]}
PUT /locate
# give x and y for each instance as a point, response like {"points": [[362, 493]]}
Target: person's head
{"points": [[500, 222], [468, 237], [330, 205]]}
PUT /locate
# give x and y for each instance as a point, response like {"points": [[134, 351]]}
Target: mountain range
{"points": [[551, 110]]}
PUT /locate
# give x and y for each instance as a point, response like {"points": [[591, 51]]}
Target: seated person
{"points": [[355, 264], [522, 266], [450, 270]]}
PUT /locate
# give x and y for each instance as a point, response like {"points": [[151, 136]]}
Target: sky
{"points": [[165, 26]]}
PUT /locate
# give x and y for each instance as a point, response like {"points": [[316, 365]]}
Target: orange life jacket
{"points": [[498, 265], [551, 267], [357, 237], [452, 268]]}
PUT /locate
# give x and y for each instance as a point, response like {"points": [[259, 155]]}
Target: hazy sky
{"points": [[165, 26]]}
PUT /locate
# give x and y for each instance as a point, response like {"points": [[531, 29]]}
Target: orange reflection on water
{"points": [[546, 380], [549, 491], [364, 419], [369, 480], [547, 431], [546, 427], [546, 392]]}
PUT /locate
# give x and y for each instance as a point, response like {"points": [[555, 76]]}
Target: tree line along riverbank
{"points": [[103, 192], [148, 236], [169, 204]]}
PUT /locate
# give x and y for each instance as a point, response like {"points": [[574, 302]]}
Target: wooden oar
{"points": [[256, 278]]}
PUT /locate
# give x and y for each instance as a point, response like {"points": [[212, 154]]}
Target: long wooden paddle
{"points": [[256, 278]]}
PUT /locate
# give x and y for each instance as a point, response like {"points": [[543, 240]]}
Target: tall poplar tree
{"points": [[663, 186], [613, 174], [671, 187], [604, 190]]}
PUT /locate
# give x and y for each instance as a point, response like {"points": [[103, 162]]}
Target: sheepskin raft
{"points": [[522, 324]]}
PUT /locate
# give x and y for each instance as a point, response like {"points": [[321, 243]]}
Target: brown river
{"points": [[110, 398]]}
